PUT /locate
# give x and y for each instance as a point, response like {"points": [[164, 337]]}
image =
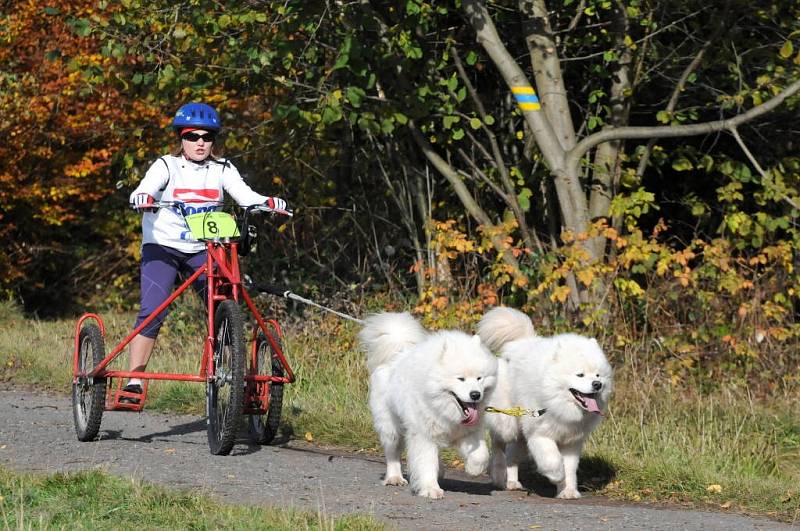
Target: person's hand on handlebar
{"points": [[275, 203], [143, 203]]}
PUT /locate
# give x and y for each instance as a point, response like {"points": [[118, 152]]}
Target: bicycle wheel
{"points": [[225, 388], [264, 428], [88, 398]]}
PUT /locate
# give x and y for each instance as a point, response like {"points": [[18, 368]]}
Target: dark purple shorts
{"points": [[160, 267]]}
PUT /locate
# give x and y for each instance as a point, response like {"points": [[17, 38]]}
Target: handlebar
{"points": [[252, 208], [246, 231]]}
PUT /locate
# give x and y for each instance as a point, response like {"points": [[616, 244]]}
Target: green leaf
{"points": [[344, 54], [387, 126], [401, 118], [448, 121], [524, 199], [452, 83], [331, 115], [472, 58], [786, 50], [664, 116], [682, 164], [458, 134], [412, 8], [489, 120], [475, 123], [355, 95]]}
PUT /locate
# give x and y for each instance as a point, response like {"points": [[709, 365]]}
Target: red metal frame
{"points": [[224, 283]]}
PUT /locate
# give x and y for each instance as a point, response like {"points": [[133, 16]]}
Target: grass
{"points": [[726, 450], [96, 500]]}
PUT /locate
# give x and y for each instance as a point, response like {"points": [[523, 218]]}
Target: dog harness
{"points": [[517, 411]]}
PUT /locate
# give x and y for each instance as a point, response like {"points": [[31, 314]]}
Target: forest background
{"points": [[647, 195]]}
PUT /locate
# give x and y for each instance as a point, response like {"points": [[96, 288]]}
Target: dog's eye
{"points": [[479, 378], [579, 375], [460, 378]]}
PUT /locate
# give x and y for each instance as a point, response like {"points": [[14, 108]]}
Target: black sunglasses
{"points": [[194, 137]]}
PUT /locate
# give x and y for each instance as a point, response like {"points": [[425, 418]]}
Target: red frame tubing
{"points": [[124, 343], [76, 352], [226, 274], [274, 344]]}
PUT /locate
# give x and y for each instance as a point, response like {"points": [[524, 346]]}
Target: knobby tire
{"points": [[225, 388], [264, 428], [88, 399]]}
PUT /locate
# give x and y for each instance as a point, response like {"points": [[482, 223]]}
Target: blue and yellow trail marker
{"points": [[527, 100]]}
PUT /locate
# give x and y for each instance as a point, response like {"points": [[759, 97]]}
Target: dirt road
{"points": [[36, 434]]}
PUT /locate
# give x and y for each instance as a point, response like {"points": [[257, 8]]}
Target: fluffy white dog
{"points": [[428, 389], [567, 375]]}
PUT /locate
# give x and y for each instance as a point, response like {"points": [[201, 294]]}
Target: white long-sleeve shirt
{"points": [[202, 186]]}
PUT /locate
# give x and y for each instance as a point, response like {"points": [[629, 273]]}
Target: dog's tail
{"points": [[386, 334], [502, 324]]}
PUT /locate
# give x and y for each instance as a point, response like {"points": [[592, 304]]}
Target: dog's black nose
{"points": [[475, 395], [597, 385]]}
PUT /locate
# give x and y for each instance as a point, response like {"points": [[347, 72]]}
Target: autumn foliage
{"points": [[412, 169], [61, 127]]}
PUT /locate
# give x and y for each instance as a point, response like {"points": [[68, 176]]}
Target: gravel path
{"points": [[36, 434]]}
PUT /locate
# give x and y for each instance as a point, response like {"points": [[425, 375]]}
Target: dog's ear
{"points": [[443, 350]]}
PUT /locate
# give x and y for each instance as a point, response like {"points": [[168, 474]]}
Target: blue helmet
{"points": [[197, 115]]}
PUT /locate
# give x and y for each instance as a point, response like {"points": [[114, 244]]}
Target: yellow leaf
{"points": [[786, 50], [714, 489], [726, 505], [586, 276], [309, 437]]}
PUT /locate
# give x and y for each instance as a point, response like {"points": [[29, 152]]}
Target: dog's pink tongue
{"points": [[471, 415], [591, 405]]}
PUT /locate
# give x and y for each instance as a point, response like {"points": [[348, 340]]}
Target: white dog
{"points": [[567, 375], [428, 389]]}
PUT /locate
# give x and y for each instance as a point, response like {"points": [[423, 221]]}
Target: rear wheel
{"points": [[225, 388], [88, 397], [264, 428]]}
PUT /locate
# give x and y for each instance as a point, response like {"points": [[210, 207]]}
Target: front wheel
{"points": [[225, 388], [88, 397], [263, 428]]}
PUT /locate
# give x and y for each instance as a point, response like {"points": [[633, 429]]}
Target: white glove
{"points": [[275, 203], [143, 203]]}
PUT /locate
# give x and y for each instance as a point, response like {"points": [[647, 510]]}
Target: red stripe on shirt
{"points": [[205, 193]]}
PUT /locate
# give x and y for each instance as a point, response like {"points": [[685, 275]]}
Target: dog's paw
{"points": [[397, 481], [432, 492], [477, 463], [555, 477], [568, 493], [514, 485]]}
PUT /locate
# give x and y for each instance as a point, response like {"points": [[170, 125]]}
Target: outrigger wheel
{"points": [[225, 387], [264, 428], [88, 395]]}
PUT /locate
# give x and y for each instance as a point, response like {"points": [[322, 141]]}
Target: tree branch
{"points": [[474, 209], [575, 155]]}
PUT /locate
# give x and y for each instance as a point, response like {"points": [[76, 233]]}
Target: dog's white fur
{"points": [[414, 379], [537, 373]]}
